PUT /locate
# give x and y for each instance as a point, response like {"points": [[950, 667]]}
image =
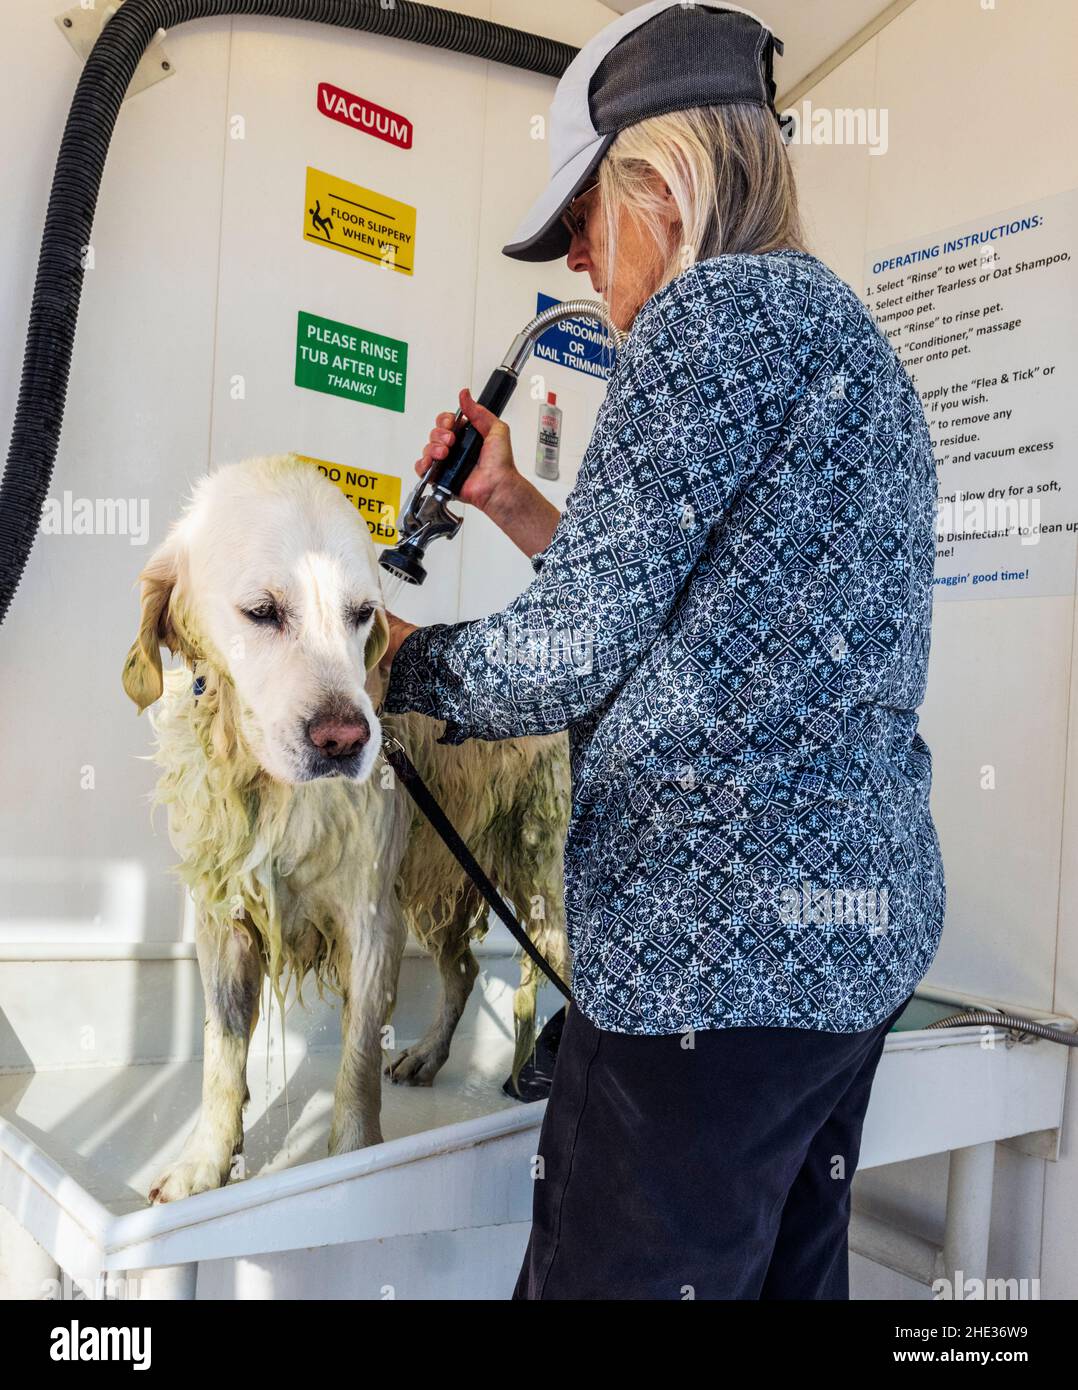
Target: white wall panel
{"points": [[833, 180], [137, 426], [977, 101], [977, 106], [269, 272]]}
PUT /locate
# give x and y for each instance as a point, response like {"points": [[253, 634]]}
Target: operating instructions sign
{"points": [[582, 344], [342, 360], [982, 315]]}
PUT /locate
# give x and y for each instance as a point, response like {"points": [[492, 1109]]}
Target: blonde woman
{"points": [[753, 879]]}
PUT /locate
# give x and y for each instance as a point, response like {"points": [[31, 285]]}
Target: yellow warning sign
{"points": [[376, 496], [357, 220]]}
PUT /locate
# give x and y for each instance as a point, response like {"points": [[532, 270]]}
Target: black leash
{"points": [[417, 789]]}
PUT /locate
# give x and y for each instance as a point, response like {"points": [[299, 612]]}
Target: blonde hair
{"points": [[731, 181]]}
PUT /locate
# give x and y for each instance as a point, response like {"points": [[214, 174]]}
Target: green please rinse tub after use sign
{"points": [[342, 360]]}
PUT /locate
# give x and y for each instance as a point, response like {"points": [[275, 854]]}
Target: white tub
{"points": [[99, 1083]]}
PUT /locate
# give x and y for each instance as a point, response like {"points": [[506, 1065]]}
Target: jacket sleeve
{"points": [[688, 415]]}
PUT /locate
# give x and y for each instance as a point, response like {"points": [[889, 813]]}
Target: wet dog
{"points": [[303, 854]]}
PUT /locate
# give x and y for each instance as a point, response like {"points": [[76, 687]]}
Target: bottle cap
{"points": [[551, 398]]}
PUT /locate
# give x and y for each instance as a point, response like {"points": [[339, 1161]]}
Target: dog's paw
{"points": [[417, 1065], [187, 1177]]}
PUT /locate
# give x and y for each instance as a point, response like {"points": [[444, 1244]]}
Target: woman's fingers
{"points": [[482, 418], [440, 439]]}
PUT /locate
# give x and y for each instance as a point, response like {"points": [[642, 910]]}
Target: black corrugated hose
{"points": [[35, 436]]}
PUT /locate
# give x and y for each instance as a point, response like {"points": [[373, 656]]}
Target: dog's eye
{"points": [[266, 613], [361, 614]]}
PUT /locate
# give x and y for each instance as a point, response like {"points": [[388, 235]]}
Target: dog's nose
{"points": [[337, 737]]}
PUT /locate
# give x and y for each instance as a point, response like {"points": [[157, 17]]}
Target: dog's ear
{"points": [[378, 641], [143, 677]]}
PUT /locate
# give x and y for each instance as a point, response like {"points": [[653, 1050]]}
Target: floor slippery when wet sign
{"points": [[347, 217], [343, 360]]}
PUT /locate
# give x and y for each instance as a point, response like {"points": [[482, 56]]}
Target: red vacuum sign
{"points": [[361, 114]]}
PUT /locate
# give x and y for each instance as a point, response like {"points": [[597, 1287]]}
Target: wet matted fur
{"points": [[297, 875]]}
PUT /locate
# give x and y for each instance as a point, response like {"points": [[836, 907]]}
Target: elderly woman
{"points": [[742, 576]]}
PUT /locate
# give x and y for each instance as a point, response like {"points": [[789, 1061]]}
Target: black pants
{"points": [[717, 1171]]}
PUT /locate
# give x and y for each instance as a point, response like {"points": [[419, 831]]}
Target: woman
{"points": [[734, 610]]}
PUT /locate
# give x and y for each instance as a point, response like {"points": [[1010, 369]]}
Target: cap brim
{"points": [[542, 236]]}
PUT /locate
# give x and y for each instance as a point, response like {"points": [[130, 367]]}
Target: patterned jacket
{"points": [[732, 622]]}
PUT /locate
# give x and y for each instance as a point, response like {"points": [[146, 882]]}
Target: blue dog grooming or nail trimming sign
{"points": [[583, 344]]}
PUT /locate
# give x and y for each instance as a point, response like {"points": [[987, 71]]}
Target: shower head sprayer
{"points": [[426, 516]]}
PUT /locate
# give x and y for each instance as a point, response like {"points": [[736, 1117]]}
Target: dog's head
{"points": [[271, 580]]}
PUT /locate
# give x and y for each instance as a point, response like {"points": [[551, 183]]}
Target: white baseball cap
{"points": [[665, 56]]}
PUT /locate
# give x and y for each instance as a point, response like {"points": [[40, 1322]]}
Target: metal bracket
{"points": [[82, 26]]}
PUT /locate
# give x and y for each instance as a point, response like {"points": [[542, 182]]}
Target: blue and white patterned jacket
{"points": [[732, 621]]}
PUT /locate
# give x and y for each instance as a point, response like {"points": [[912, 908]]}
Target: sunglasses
{"points": [[575, 217]]}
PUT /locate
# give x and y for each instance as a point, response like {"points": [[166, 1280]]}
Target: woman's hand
{"points": [[495, 486], [494, 470], [398, 631]]}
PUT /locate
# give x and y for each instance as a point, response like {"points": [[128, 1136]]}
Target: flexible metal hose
{"points": [[990, 1018], [568, 309], [35, 436]]}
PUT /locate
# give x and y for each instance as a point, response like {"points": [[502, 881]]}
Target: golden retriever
{"points": [[303, 853]]}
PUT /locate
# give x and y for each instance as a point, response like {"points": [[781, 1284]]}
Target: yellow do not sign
{"points": [[375, 496], [358, 221]]}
